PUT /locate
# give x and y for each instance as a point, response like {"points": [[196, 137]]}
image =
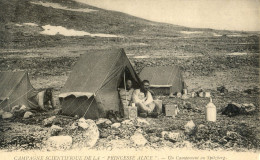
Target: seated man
{"points": [[144, 101], [126, 93]]}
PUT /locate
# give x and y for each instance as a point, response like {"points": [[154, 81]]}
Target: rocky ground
{"points": [[207, 62]]}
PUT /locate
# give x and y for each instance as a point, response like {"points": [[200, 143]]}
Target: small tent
{"points": [[15, 89], [92, 87], [164, 79]]}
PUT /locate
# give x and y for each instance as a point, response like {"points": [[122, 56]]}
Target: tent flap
{"points": [[76, 94]]}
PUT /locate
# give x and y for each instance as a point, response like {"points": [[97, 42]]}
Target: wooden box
{"points": [[130, 112], [171, 110]]}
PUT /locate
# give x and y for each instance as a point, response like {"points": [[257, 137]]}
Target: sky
{"points": [[241, 15]]}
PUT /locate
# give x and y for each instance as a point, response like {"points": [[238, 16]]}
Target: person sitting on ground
{"points": [[126, 93], [43, 99], [144, 102]]}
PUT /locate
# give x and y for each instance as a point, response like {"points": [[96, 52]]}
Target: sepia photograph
{"points": [[129, 80]]}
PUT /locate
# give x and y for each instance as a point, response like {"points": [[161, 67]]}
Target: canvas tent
{"points": [[15, 89], [164, 79], [92, 87]]}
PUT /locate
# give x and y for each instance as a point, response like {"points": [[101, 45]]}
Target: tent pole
{"points": [[125, 88]]}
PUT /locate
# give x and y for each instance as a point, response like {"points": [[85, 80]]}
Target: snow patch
{"points": [[30, 24], [139, 57], [53, 30], [191, 32], [237, 54], [58, 6], [216, 35]]}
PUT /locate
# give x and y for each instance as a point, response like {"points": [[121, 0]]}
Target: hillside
{"points": [[46, 38]]}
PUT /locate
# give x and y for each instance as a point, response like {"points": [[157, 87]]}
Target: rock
{"points": [[55, 130], [27, 114], [141, 122], [48, 121], [7, 115], [90, 133], [154, 139], [59, 143], [23, 108], [138, 139], [201, 94], [189, 127], [82, 123], [202, 126], [56, 111], [193, 94], [73, 126], [103, 120], [179, 95], [184, 96], [249, 108], [172, 136], [15, 108], [207, 94], [127, 122], [115, 125]]}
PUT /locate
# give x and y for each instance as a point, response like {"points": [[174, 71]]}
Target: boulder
{"points": [[189, 127], [90, 132], [59, 143], [7, 115], [55, 130], [249, 108], [138, 139], [27, 114], [48, 121], [115, 125]]}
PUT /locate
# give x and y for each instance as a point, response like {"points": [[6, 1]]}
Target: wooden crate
{"points": [[171, 110], [130, 112]]}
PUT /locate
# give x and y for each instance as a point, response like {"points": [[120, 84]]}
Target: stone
{"points": [[201, 94], [141, 122], [138, 139], [48, 121], [23, 108], [115, 125], [55, 130], [179, 95], [207, 94], [189, 127], [184, 96], [73, 126], [57, 111], [103, 120], [7, 115], [15, 108], [172, 136], [27, 115], [82, 123], [127, 122], [59, 143], [193, 94]]}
